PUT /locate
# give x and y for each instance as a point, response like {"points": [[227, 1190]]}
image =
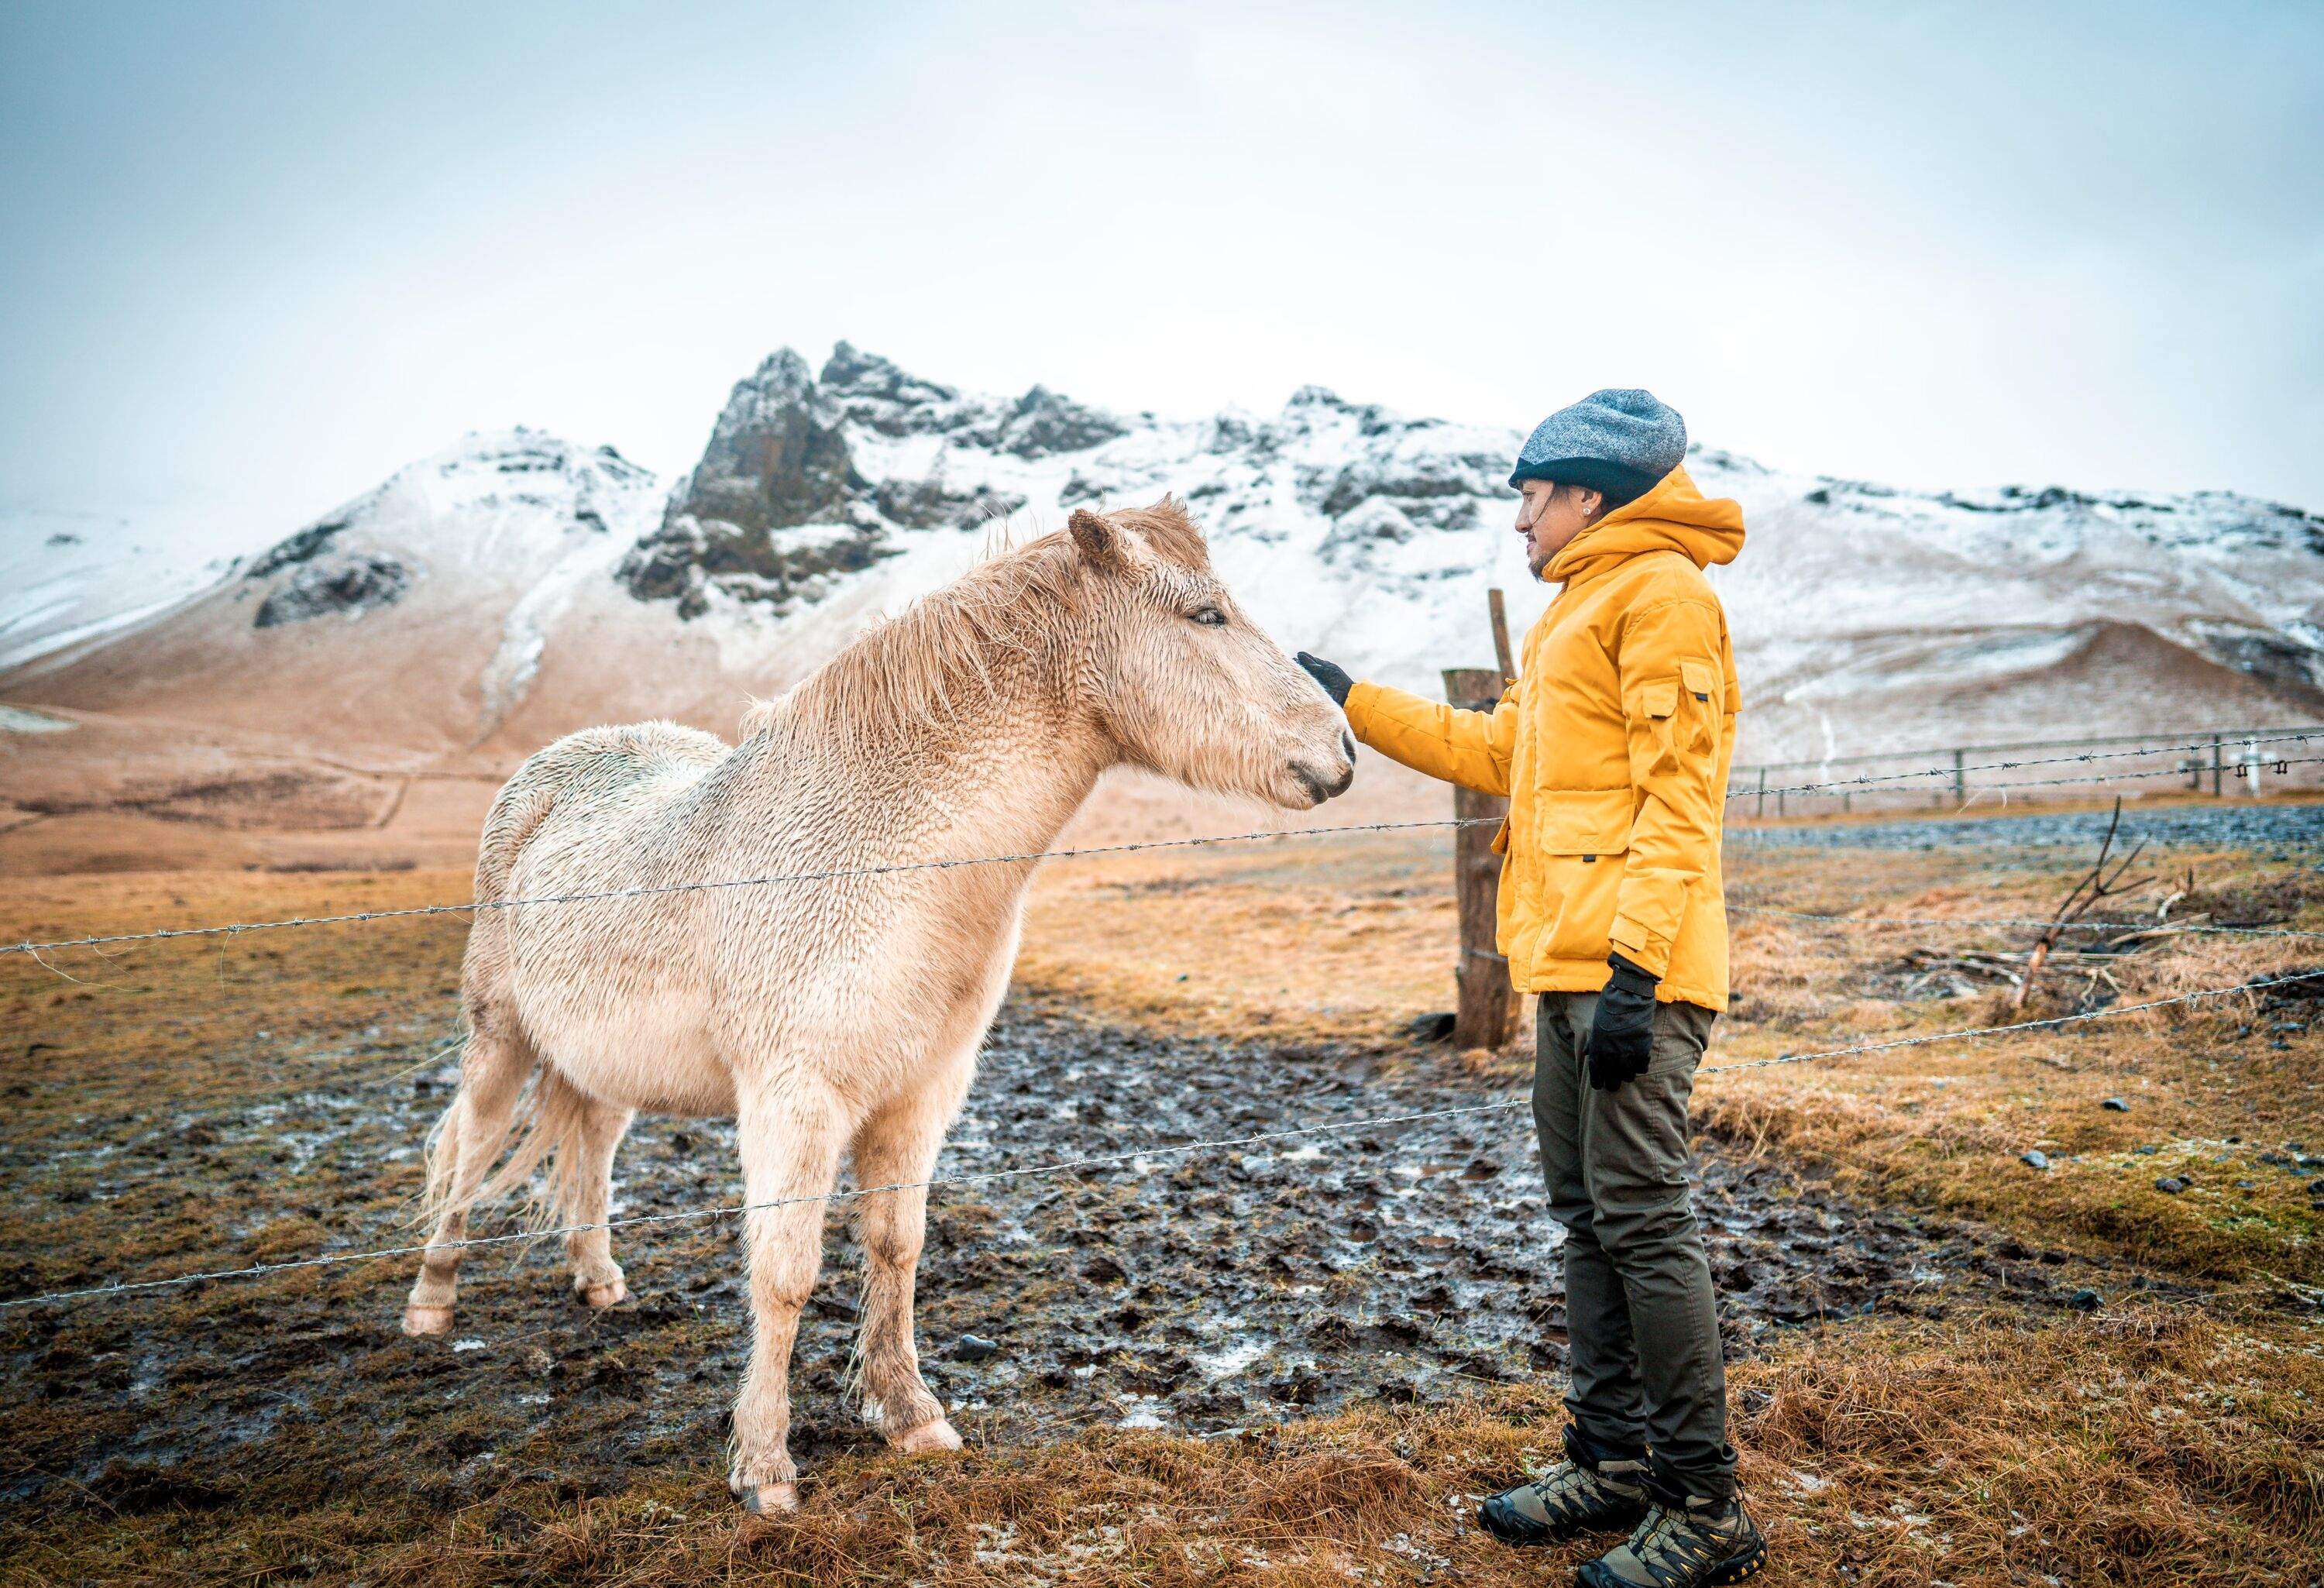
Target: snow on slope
{"points": [[515, 586], [1867, 618], [409, 619], [67, 577]]}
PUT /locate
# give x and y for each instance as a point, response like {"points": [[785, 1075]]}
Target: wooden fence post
{"points": [[1501, 652], [1487, 1010]]}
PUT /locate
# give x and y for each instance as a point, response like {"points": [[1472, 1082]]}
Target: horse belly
{"points": [[651, 1054]]}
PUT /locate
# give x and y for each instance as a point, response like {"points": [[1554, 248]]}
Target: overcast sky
{"points": [[255, 257]]}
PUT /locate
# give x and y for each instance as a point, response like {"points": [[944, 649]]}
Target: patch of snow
{"points": [[15, 719], [1227, 1363], [1144, 1411]]}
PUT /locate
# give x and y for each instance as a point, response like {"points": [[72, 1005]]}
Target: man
{"points": [[1613, 745]]}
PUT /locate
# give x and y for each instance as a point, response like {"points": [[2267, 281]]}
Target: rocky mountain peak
{"points": [[873, 390], [777, 457], [1864, 615], [781, 506]]}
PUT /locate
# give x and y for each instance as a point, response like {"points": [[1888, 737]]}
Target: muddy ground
{"points": [[1199, 1293]]}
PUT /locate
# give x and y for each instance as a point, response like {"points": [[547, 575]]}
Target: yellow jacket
{"points": [[1613, 746]]}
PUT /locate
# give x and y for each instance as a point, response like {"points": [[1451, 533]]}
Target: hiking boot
{"points": [[1578, 1495], [1684, 1542]]}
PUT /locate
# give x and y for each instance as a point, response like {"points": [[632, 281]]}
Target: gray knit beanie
{"points": [[1622, 443]]}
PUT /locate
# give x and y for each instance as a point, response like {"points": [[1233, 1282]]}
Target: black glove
{"points": [[1622, 1031], [1336, 684]]}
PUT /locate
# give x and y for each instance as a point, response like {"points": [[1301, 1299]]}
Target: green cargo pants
{"points": [[1650, 1379]]}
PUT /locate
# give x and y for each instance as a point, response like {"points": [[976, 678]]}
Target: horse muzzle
{"points": [[1322, 784]]}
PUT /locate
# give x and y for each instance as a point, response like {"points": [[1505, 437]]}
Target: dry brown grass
{"points": [[2152, 1446], [2209, 1087], [201, 1014], [1297, 939], [2147, 1443]]}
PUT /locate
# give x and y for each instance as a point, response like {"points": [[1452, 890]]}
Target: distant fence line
{"points": [[2211, 759]]}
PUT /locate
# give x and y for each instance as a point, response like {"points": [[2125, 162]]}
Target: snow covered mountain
{"points": [[515, 586]]}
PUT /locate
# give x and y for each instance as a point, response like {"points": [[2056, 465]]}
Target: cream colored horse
{"points": [[841, 1016]]}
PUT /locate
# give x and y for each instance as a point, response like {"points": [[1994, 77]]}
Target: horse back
{"points": [[602, 779]]}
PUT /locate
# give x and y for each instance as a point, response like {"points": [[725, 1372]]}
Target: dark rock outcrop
{"points": [[1041, 423], [688, 557], [344, 586], [873, 392], [777, 510], [778, 455], [303, 547], [930, 503]]}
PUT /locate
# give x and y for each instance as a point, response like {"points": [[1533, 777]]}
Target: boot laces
{"points": [[1569, 1487], [1669, 1537]]}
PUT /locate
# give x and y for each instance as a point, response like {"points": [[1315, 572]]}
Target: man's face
{"points": [[1548, 517]]}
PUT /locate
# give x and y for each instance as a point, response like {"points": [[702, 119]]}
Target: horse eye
{"points": [[1209, 616]]}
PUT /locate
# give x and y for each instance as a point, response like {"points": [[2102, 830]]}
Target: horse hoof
{"points": [[765, 1499], [423, 1321], [597, 1298], [927, 1436]]}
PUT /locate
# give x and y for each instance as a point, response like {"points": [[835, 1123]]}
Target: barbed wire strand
{"points": [[329, 1259], [655, 890], [839, 873]]}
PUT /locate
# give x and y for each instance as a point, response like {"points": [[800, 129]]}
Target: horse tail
{"points": [[548, 1128]]}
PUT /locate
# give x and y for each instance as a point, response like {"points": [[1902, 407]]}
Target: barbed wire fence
{"points": [[38, 950], [842, 873]]}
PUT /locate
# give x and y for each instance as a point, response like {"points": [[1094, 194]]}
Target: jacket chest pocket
{"points": [[1583, 834]]}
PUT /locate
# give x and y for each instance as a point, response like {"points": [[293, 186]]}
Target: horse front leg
{"points": [[790, 1147], [899, 1146]]}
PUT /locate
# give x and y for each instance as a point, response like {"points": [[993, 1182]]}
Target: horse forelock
{"points": [[1166, 527]]}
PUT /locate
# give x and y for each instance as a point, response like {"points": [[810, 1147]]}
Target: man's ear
{"points": [[1590, 501], [1098, 542]]}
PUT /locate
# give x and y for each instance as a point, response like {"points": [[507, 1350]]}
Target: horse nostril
{"points": [[1323, 785], [1347, 747]]}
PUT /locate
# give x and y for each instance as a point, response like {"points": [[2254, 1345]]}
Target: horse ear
{"points": [[1098, 542]]}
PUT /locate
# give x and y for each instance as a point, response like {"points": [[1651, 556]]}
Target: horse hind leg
{"points": [[585, 1194], [493, 1072]]}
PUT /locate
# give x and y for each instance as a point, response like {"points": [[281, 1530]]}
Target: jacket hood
{"points": [[1671, 517]]}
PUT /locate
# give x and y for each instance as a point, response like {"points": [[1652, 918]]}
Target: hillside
{"points": [[515, 586]]}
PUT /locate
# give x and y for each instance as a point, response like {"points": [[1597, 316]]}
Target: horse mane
{"points": [[1169, 531], [945, 653]]}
